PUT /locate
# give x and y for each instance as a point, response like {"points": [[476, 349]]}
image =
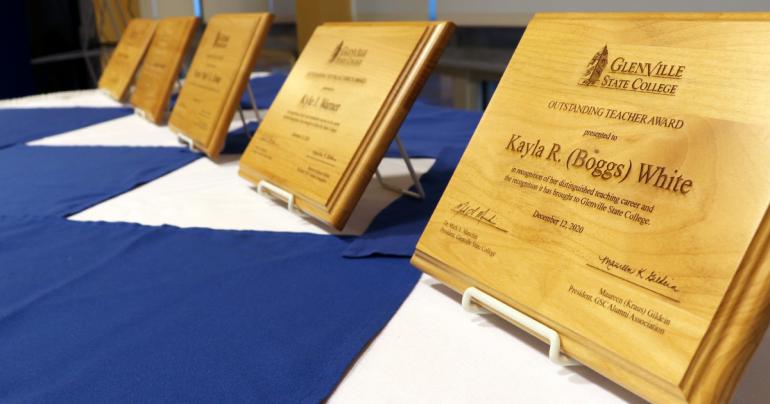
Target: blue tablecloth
{"points": [[238, 139], [395, 231], [118, 312], [265, 89], [428, 129], [115, 312], [60, 181], [21, 125]]}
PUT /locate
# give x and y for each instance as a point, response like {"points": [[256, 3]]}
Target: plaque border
{"points": [[740, 321], [120, 93], [219, 134], [381, 132], [162, 112]]}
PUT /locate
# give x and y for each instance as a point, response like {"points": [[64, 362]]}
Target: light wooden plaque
{"points": [[161, 66], [339, 109], [217, 78], [120, 70], [617, 191]]}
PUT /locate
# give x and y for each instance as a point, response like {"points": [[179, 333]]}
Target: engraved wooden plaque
{"points": [[217, 78], [120, 70], [339, 109], [161, 66], [617, 191]]}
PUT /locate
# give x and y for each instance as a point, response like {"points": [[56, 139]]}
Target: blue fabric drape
{"points": [[395, 231], [60, 181], [116, 312], [428, 129], [265, 89], [21, 125]]}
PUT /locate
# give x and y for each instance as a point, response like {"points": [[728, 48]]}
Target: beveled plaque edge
{"points": [[663, 15], [219, 135], [120, 96], [161, 113], [737, 328], [738, 325], [361, 169]]}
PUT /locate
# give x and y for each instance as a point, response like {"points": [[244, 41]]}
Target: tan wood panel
{"points": [[339, 109], [217, 78], [125, 60], [161, 66], [616, 190]]}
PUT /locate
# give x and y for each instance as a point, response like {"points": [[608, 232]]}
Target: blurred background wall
{"points": [[63, 44]]}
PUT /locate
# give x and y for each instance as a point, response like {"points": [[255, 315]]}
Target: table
{"points": [[431, 351]]}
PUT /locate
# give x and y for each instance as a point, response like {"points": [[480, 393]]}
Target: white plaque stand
{"points": [[186, 141], [420, 194], [273, 189], [278, 191], [519, 319], [254, 107]]}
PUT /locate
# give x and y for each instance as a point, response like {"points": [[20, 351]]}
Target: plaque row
{"points": [[614, 194]]}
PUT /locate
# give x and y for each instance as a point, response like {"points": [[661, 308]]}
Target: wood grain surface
{"points": [[340, 109], [124, 61], [617, 189], [217, 78], [161, 66]]}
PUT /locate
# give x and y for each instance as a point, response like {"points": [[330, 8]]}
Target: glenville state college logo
{"points": [[345, 55], [595, 67], [657, 78]]}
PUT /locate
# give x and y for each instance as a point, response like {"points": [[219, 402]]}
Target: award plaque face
{"points": [[218, 75], [338, 111], [161, 66], [616, 191], [120, 70]]}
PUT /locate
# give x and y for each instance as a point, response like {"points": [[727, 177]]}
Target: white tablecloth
{"points": [[431, 351]]}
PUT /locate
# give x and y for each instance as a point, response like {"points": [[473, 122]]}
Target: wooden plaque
{"points": [[617, 191], [217, 78], [120, 70], [161, 66], [339, 109]]}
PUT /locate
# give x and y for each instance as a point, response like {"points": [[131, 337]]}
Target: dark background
{"points": [[36, 28]]}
